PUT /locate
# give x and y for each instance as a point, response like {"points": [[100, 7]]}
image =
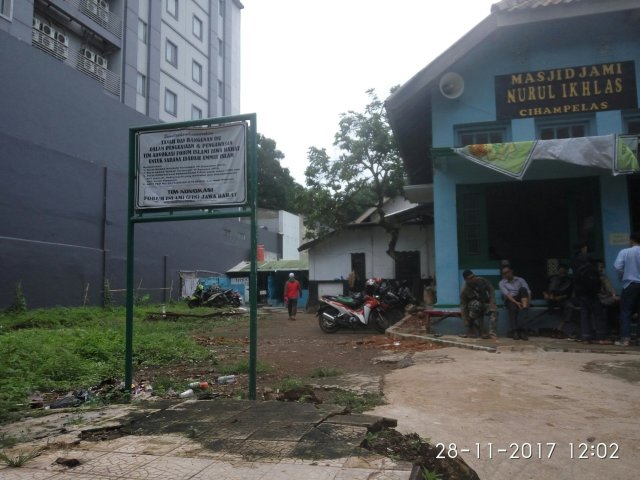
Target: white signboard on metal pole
{"points": [[192, 167]]}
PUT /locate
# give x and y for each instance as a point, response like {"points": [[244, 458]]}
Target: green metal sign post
{"points": [[206, 151]]}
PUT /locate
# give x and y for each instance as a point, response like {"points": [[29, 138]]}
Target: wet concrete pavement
{"points": [[204, 439], [542, 409]]}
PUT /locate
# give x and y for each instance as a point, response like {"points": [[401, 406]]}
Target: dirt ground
{"points": [[289, 349], [526, 414]]}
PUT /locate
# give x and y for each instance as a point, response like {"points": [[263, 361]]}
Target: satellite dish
{"points": [[451, 85]]}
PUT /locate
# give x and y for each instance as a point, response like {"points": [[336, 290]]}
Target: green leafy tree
{"points": [[277, 190], [367, 171]]}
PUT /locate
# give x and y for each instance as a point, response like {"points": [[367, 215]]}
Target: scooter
{"points": [[356, 311]]}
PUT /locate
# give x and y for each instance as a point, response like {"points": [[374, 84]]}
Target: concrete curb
{"points": [[401, 331]]}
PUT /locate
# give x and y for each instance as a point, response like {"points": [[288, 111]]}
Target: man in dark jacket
{"points": [[587, 283], [558, 296]]}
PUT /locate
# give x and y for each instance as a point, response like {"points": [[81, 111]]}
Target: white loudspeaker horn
{"points": [[451, 85]]}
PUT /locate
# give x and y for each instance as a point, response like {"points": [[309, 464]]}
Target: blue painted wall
{"points": [[522, 49]]}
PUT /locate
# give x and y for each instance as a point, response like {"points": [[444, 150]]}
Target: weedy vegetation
{"points": [[64, 349]]}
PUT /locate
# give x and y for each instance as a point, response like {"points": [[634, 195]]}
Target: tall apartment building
{"points": [[76, 75], [171, 60]]}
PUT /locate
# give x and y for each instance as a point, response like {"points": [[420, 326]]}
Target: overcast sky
{"points": [[304, 62]]}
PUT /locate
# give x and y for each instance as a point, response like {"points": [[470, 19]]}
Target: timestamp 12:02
{"points": [[529, 450], [585, 450]]}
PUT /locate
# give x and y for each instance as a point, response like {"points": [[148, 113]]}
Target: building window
{"points": [[196, 113], [170, 102], [171, 53], [5, 8], [220, 47], [563, 130], [474, 136], [196, 72], [196, 27], [142, 31], [172, 8], [141, 85], [633, 126], [221, 8], [220, 89]]}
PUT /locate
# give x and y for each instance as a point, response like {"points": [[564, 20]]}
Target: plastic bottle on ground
{"points": [[200, 385], [187, 393], [226, 379]]}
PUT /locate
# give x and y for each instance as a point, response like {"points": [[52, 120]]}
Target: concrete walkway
{"points": [[203, 439], [543, 409]]}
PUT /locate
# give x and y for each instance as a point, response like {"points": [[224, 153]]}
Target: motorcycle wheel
{"points": [[379, 321], [219, 301], [193, 303], [235, 302], [327, 325]]}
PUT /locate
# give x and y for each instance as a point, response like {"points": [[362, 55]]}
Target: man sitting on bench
{"points": [[517, 297]]}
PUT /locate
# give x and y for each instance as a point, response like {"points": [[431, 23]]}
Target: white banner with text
{"points": [[192, 167]]}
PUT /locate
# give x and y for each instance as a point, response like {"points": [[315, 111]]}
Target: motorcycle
{"points": [[355, 311], [233, 297], [394, 298], [207, 297]]}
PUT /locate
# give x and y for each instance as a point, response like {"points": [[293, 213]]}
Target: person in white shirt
{"points": [[627, 265]]}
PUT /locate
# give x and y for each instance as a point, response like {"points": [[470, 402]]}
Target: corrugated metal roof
{"points": [[513, 5], [273, 266]]}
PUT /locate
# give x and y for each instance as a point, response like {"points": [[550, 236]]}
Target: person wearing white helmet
{"points": [[292, 291]]}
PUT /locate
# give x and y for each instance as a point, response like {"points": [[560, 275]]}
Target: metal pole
{"points": [[253, 278], [128, 351]]}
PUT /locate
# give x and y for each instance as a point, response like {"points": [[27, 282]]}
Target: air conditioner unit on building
{"points": [[104, 4], [91, 6], [101, 61], [37, 24], [101, 72], [88, 54], [86, 65], [47, 42], [62, 38], [46, 29]]}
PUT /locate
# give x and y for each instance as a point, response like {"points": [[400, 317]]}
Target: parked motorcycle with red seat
{"points": [[359, 310]]}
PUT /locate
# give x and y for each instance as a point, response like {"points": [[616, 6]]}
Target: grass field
{"points": [[65, 349]]}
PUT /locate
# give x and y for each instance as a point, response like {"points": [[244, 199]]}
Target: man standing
{"points": [[558, 297], [517, 297], [292, 291], [627, 265], [587, 286], [477, 298]]}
